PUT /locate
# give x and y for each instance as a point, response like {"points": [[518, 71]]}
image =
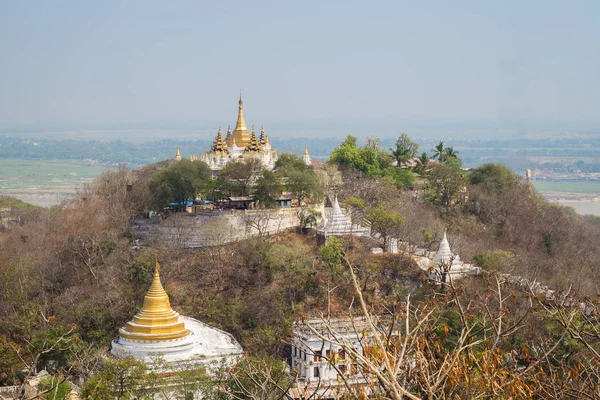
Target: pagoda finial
{"points": [[305, 150], [241, 102]]}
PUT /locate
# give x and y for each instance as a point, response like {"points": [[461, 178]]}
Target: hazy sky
{"points": [[185, 61]]}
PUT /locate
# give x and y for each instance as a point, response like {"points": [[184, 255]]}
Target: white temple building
{"points": [[339, 224], [317, 344], [159, 331]]}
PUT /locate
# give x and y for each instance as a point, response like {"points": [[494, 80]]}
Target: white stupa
{"points": [[339, 224], [444, 254], [159, 331]]}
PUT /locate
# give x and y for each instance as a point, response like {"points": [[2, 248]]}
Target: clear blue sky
{"points": [[185, 61]]}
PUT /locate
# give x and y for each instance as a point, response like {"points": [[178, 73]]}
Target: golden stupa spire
{"points": [[156, 321], [241, 130], [305, 150], [156, 298], [178, 153]]}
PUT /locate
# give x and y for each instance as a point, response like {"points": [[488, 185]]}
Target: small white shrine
{"points": [[339, 224]]}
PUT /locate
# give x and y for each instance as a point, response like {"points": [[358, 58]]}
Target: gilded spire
{"points": [[177, 153], [156, 321], [156, 298], [264, 139], [253, 145], [219, 145], [305, 150], [241, 130]]}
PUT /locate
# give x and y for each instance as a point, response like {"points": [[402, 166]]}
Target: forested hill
{"points": [[74, 273]]}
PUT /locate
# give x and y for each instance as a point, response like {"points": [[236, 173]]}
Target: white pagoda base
{"points": [[207, 346]]}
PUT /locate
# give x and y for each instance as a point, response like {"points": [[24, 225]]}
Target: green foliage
{"points": [[384, 222], [355, 202], [548, 242], [123, 379], [179, 182], [58, 388], [405, 149], [403, 178], [237, 178], [427, 236], [447, 156], [332, 252], [55, 345], [268, 188], [261, 377], [6, 201], [493, 177], [499, 260], [141, 268], [288, 162], [444, 184], [369, 160]]}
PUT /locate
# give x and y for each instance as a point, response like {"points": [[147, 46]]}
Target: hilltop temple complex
{"points": [[240, 144], [159, 331]]}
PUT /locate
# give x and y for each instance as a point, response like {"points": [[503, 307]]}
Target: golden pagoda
{"points": [[264, 139], [229, 136], [156, 320], [178, 154], [158, 331], [253, 145], [240, 134], [239, 145], [219, 145]]}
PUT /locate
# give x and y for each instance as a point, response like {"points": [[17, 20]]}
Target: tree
{"points": [[268, 188], [179, 182], [402, 178], [287, 162], [303, 183], [422, 163], [493, 177], [366, 160], [384, 159], [406, 149], [451, 158], [438, 152], [122, 379], [444, 184], [384, 222], [332, 252], [258, 378], [238, 178]]}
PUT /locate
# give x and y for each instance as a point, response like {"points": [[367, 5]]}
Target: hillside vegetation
{"points": [[72, 275]]}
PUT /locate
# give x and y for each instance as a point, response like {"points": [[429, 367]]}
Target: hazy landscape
{"points": [[322, 200]]}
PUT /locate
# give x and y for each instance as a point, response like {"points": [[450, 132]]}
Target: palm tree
{"points": [[422, 162], [449, 152], [438, 152]]}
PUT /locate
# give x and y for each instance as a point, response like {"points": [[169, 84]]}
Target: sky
{"points": [[317, 62]]}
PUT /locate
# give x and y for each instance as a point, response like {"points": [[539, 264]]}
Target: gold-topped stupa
{"points": [[156, 321], [240, 134], [240, 144]]}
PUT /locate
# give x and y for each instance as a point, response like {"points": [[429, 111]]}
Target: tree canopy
{"points": [[179, 182]]}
